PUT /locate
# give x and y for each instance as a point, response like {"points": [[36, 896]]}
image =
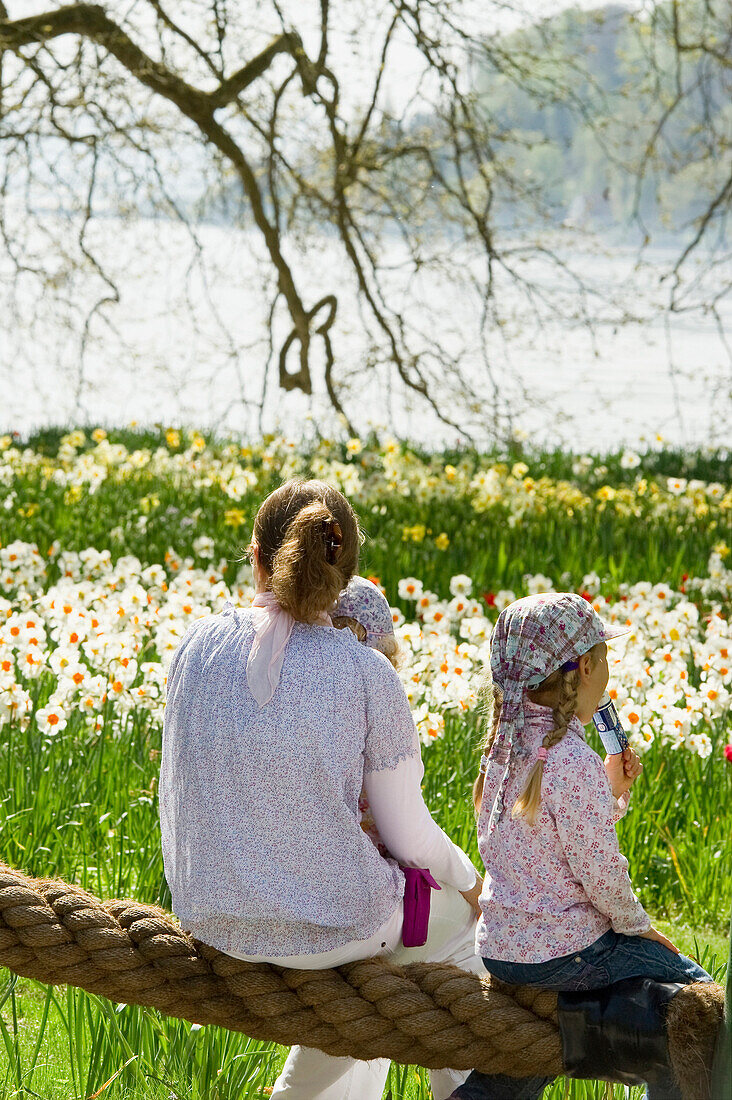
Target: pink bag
{"points": [[418, 884]]}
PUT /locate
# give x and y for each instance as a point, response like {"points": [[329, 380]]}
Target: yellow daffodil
{"points": [[234, 517]]}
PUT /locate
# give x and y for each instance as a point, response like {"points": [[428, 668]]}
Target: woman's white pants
{"points": [[311, 1075]]}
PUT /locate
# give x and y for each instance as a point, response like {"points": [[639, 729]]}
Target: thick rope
{"points": [[428, 1014]]}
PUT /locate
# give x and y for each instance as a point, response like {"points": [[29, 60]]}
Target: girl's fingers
{"points": [[631, 764]]}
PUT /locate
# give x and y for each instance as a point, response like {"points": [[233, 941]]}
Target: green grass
{"points": [[82, 806], [646, 535], [89, 801]]}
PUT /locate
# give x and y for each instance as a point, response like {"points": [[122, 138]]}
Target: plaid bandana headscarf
{"points": [[534, 637], [363, 601]]}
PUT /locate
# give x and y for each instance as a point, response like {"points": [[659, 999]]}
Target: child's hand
{"points": [[653, 934], [472, 895], [623, 768]]}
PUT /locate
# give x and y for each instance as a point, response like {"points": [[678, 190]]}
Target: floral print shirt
{"points": [[259, 806], [556, 887]]}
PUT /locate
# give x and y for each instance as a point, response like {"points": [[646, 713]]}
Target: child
{"points": [[365, 610], [558, 909]]}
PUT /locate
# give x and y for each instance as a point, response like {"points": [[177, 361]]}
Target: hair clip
{"points": [[333, 541]]}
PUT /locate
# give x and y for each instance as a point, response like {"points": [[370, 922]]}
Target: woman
{"points": [[274, 723]]}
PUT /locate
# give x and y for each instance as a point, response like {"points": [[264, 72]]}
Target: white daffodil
{"points": [[51, 719], [409, 589], [461, 585]]}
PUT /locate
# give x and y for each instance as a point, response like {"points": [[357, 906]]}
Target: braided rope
{"points": [[428, 1014]]}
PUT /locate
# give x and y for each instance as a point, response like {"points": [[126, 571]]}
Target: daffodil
{"points": [[234, 517]]}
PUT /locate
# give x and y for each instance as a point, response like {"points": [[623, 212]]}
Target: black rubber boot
{"points": [[619, 1033]]}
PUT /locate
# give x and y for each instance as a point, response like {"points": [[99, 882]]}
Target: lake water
{"points": [[186, 345]]}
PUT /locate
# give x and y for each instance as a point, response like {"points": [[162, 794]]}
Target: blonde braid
{"points": [[529, 801], [493, 715], [565, 709], [491, 698]]}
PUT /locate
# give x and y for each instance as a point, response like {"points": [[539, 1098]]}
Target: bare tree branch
{"points": [[439, 191]]}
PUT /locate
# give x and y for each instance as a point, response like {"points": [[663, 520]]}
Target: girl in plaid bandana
{"points": [[364, 609], [558, 908]]}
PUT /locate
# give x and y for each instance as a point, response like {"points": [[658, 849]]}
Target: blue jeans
{"points": [[607, 960]]}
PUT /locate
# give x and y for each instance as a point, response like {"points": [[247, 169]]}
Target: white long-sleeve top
{"points": [[262, 844], [407, 828]]}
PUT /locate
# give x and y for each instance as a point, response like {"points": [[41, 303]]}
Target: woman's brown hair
{"points": [[308, 540]]}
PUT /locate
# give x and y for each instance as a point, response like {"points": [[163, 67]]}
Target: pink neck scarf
{"points": [[272, 629]]}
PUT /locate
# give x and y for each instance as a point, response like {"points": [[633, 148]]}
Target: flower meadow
{"points": [[113, 542]]}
